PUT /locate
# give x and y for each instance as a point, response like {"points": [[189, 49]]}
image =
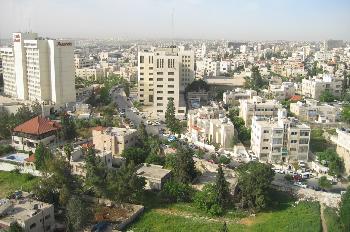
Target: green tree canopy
{"points": [[345, 210], [77, 214], [68, 127], [327, 96], [335, 163], [184, 167], [222, 188], [15, 227], [254, 182], [197, 86], [345, 114], [172, 123], [136, 155], [324, 183], [42, 154]]}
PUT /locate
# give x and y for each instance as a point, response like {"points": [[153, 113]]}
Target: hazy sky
{"points": [[199, 19]]}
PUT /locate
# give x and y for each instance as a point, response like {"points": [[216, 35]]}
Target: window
{"points": [[304, 133], [159, 73], [277, 141], [170, 92], [159, 104], [150, 68], [278, 131], [303, 149], [159, 86], [160, 111], [171, 73], [159, 79], [293, 141], [303, 141], [266, 131], [159, 98], [170, 79], [293, 133], [141, 67], [141, 90], [265, 148], [142, 59], [141, 84], [265, 140], [292, 149], [276, 149], [181, 111], [159, 91], [150, 74], [170, 86], [151, 79]]}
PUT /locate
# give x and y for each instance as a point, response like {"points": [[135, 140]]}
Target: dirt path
{"points": [[323, 220]]}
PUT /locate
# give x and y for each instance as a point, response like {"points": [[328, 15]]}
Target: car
{"points": [[149, 122], [300, 184]]}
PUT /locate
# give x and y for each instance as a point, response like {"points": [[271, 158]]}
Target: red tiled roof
{"points": [[296, 98], [37, 126], [98, 128], [31, 158]]}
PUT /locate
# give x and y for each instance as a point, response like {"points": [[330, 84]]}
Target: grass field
{"points": [[12, 181], [332, 220], [283, 216]]}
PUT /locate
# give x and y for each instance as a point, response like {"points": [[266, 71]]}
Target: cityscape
{"points": [[175, 116]]}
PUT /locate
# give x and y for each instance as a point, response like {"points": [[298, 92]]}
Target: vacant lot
{"points": [[12, 181], [283, 216]]}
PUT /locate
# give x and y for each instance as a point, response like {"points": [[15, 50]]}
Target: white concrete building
{"points": [[39, 69], [282, 92], [315, 86], [314, 111], [280, 139], [232, 97], [30, 214], [90, 73], [82, 62], [155, 175], [209, 125], [257, 106], [343, 147], [164, 73]]}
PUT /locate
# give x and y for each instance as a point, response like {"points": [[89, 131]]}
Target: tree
{"points": [[254, 182], [345, 114], [255, 82], [96, 173], [222, 188], [335, 163], [324, 183], [68, 149], [125, 185], [207, 200], [197, 86], [15, 227], [327, 96], [345, 210], [171, 121], [37, 108], [77, 214], [174, 191], [105, 99], [136, 155], [68, 127], [41, 154], [184, 169]]}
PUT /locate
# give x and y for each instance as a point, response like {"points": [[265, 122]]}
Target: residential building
{"points": [[280, 139], [29, 134], [90, 73], [113, 139], [343, 147], [314, 87], [30, 214], [282, 92], [209, 125], [232, 97], [82, 62], [164, 73], [315, 111], [39, 69], [257, 106], [155, 175]]}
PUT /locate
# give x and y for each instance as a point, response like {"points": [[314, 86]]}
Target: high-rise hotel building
{"points": [[39, 69], [164, 73]]}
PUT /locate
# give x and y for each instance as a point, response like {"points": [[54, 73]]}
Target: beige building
{"points": [[233, 97], [30, 214], [164, 73], [113, 140], [343, 147], [155, 175], [282, 92], [257, 106], [91, 73], [314, 87], [38, 69], [280, 139], [82, 62], [209, 125], [314, 111]]}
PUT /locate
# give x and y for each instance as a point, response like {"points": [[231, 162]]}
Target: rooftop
{"points": [[152, 171], [37, 126]]}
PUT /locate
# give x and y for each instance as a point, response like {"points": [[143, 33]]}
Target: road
{"points": [[122, 102]]}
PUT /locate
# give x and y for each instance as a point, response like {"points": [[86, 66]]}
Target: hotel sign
{"points": [[64, 44], [16, 38]]}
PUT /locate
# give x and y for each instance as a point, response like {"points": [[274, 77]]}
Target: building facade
{"points": [[232, 97], [343, 147], [39, 69], [164, 73], [314, 87]]}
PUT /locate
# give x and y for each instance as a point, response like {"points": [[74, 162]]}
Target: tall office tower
{"points": [[164, 73], [39, 69]]}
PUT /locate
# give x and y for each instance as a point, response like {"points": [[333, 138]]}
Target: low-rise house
{"points": [[209, 125], [280, 139], [155, 175], [314, 111], [258, 106], [232, 97], [343, 147], [30, 214], [113, 139], [34, 131]]}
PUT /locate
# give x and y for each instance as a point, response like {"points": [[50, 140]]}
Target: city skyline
{"points": [[187, 19]]}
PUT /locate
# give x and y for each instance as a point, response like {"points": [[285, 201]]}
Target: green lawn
{"points": [[12, 181], [332, 220], [282, 216]]}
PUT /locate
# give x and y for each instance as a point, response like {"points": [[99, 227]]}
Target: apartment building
{"points": [[232, 97], [257, 106], [90, 73], [38, 69], [281, 92], [280, 139], [314, 111], [30, 214], [164, 73], [113, 139], [82, 62], [314, 87], [343, 147], [209, 125]]}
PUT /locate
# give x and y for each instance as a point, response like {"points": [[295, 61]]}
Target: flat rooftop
{"points": [[152, 171]]}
